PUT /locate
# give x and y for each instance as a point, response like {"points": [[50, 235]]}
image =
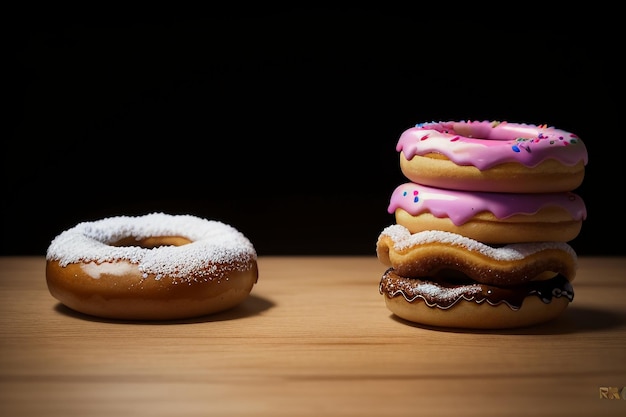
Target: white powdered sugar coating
{"points": [[433, 291], [402, 239], [213, 245]]}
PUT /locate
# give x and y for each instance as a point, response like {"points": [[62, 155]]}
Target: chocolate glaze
{"points": [[445, 293]]}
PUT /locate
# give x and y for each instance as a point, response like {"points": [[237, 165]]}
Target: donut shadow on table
{"points": [[251, 306], [575, 319]]}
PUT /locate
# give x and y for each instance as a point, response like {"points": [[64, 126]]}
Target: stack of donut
{"points": [[483, 225]]}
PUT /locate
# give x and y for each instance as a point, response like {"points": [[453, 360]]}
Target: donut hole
{"points": [[152, 241], [477, 131]]}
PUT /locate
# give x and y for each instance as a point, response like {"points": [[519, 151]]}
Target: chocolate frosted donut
{"points": [[474, 305]]}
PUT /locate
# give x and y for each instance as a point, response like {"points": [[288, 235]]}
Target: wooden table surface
{"points": [[314, 338]]}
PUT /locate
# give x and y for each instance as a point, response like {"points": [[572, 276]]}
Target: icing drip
{"points": [[461, 206], [486, 144]]}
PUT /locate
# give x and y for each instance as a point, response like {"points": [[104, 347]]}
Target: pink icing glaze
{"points": [[461, 206], [488, 143]]}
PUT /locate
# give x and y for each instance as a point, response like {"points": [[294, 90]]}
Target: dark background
{"points": [[283, 122]]}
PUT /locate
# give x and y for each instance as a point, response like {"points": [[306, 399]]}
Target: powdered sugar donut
{"points": [[489, 217], [492, 156], [435, 253], [151, 267]]}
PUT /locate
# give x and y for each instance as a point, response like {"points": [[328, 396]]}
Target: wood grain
{"points": [[314, 338]]}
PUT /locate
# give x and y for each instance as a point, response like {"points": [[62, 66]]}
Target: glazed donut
{"points": [[489, 217], [443, 279], [492, 156], [151, 267]]}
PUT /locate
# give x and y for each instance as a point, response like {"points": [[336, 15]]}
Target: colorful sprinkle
{"points": [[458, 139]]}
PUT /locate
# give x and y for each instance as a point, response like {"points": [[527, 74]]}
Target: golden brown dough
{"points": [[438, 171], [486, 228]]}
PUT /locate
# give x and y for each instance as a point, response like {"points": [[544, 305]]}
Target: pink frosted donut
{"points": [[152, 267], [492, 156], [497, 218]]}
